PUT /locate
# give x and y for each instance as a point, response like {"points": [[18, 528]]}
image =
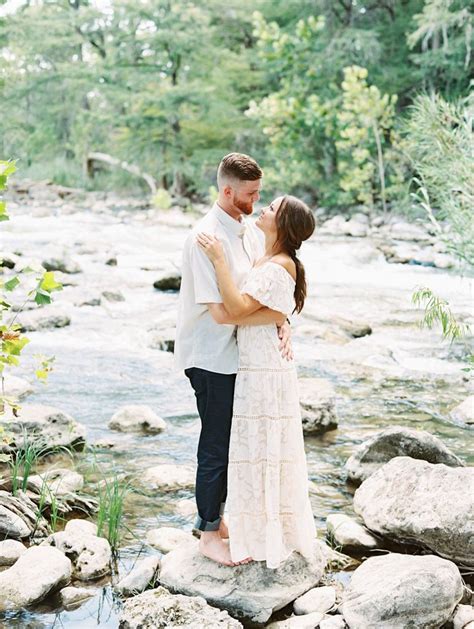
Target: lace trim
{"points": [[265, 417], [265, 369], [262, 514], [258, 461]]}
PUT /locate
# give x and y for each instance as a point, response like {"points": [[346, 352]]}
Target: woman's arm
{"points": [[263, 316]]}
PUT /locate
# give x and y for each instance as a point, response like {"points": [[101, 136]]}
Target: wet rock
{"points": [[464, 412], [112, 261], [349, 533], [158, 609], [169, 281], [141, 576], [308, 621], [318, 405], [44, 318], [169, 477], [186, 507], [91, 555], [61, 481], [8, 260], [113, 296], [463, 617], [397, 441], [354, 329], [10, 551], [46, 426], [163, 340], [72, 597], [320, 599], [137, 417], [63, 264], [167, 538], [39, 571], [19, 515], [16, 388], [394, 591], [410, 500], [247, 591]]}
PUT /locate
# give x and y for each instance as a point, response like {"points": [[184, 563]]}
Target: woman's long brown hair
{"points": [[295, 223]]}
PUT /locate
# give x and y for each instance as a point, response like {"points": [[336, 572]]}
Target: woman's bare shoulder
{"points": [[286, 262]]}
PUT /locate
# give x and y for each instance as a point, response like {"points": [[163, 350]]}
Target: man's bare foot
{"points": [[223, 530], [212, 546]]}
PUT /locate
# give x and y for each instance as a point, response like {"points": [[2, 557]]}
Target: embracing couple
{"points": [[240, 282]]}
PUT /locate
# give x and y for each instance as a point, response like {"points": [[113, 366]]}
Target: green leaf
{"points": [[14, 346], [48, 282], [12, 284], [41, 297]]}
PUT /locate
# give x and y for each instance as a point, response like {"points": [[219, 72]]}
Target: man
{"points": [[206, 345]]}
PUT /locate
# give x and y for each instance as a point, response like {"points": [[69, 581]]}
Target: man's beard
{"points": [[246, 207]]}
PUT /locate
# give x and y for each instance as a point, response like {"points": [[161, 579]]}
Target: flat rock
{"points": [[72, 597], [137, 417], [39, 571], [249, 591], [394, 591], [159, 609], [464, 412], [413, 501], [61, 481], [186, 507], [45, 425], [349, 533], [169, 477], [113, 296], [318, 405], [64, 264], [167, 538], [319, 599], [308, 621], [10, 551], [43, 318], [397, 441], [140, 577], [333, 622], [15, 387]]}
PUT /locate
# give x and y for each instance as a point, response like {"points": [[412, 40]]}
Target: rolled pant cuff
{"points": [[222, 509], [205, 525]]}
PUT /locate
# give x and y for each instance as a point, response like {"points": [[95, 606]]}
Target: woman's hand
{"points": [[212, 247]]}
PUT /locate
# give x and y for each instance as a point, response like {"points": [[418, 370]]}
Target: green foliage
{"points": [[437, 310], [112, 493], [162, 199]]}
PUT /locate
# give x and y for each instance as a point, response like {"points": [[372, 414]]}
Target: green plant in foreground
{"points": [[111, 496]]}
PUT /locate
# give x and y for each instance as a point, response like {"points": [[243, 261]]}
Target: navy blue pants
{"points": [[215, 398]]}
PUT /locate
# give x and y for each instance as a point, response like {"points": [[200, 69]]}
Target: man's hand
{"points": [[284, 334]]}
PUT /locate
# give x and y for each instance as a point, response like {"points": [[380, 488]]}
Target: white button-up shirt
{"points": [[200, 341]]}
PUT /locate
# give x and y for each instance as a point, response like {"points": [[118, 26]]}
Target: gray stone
{"points": [[464, 412], [349, 533], [63, 264], [333, 622], [39, 571], [394, 591], [163, 340], [308, 621], [167, 538], [169, 281], [247, 591], [137, 417], [140, 577], [10, 551], [61, 481], [159, 609], [397, 441], [463, 615], [318, 405], [409, 500], [110, 295], [169, 477], [319, 599], [44, 318], [16, 388], [72, 597]]}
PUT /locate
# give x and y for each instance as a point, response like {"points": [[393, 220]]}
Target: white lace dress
{"points": [[268, 508]]}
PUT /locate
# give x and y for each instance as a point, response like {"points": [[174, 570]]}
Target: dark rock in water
{"points": [[170, 281], [8, 261], [111, 261]]}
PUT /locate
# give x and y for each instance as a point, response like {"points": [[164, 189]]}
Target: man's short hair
{"points": [[237, 167]]}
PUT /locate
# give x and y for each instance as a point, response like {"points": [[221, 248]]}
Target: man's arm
{"points": [[263, 316]]}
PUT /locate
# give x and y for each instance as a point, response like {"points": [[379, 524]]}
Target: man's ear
{"points": [[228, 191]]}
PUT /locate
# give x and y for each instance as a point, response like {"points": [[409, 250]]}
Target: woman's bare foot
{"points": [[212, 546]]}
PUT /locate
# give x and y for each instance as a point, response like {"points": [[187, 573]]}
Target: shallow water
{"points": [[399, 375]]}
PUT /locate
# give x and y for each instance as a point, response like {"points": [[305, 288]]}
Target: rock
{"points": [[464, 412], [318, 405], [413, 501], [308, 621], [335, 226], [18, 517], [159, 609], [319, 599], [169, 477], [92, 300], [65, 279], [169, 281], [407, 231], [140, 577], [46, 426], [356, 228], [247, 591], [333, 622], [110, 295], [16, 388], [397, 441], [61, 481], [394, 591], [463, 616], [91, 555], [39, 571], [163, 340], [355, 329], [186, 507], [63, 264], [349, 533], [137, 417], [8, 260], [112, 261], [443, 261], [44, 318], [167, 538], [73, 597], [10, 551]]}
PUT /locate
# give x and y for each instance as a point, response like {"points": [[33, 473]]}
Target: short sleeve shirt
{"points": [[200, 341]]}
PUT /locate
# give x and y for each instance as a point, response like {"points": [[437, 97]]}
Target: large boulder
{"points": [[318, 405], [397, 441], [250, 591], [413, 501], [39, 571], [45, 426], [159, 609], [394, 591], [137, 417]]}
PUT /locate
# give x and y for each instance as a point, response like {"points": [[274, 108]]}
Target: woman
{"points": [[269, 513]]}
